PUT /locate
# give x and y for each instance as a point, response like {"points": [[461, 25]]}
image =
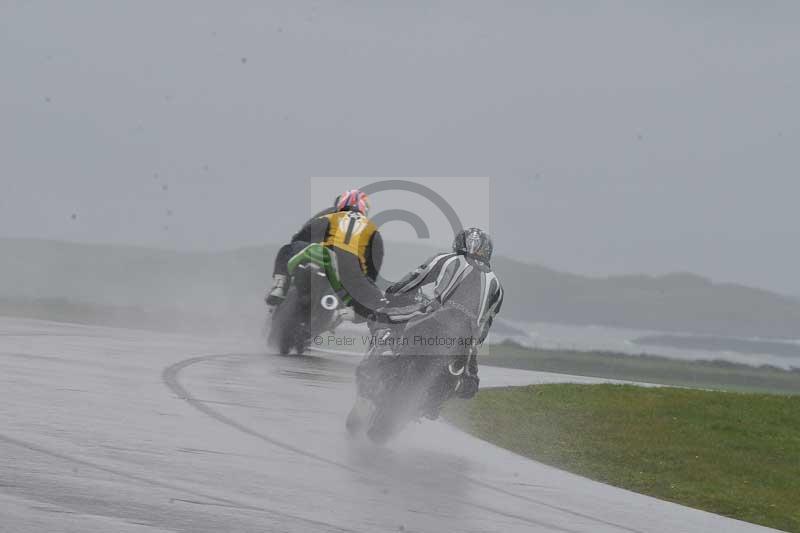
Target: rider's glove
{"points": [[468, 386], [397, 315]]}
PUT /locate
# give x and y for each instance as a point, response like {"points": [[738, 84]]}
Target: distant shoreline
{"points": [[721, 344], [649, 368]]}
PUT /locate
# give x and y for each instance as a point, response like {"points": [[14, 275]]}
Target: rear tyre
{"points": [[388, 417], [382, 426], [285, 346], [283, 332], [357, 416], [399, 404]]}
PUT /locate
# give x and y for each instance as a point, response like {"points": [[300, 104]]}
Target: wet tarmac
{"points": [[106, 430]]}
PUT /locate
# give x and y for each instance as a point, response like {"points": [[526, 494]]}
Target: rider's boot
{"points": [[280, 286], [346, 314]]}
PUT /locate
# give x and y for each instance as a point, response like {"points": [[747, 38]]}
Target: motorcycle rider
{"points": [[453, 295], [345, 229]]}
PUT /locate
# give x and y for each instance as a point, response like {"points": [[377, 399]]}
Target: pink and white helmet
{"points": [[353, 200]]}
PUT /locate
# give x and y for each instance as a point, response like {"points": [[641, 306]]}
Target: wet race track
{"points": [[113, 430]]}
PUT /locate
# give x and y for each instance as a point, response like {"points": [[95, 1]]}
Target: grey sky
{"points": [[621, 136]]}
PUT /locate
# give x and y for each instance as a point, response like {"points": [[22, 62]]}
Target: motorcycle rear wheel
{"points": [[284, 331]]}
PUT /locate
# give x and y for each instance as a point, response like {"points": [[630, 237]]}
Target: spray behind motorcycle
{"points": [[400, 380], [312, 304]]}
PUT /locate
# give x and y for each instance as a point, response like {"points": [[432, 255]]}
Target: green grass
{"points": [[727, 453], [649, 368]]}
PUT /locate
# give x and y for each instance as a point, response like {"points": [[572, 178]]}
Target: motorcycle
{"points": [[396, 386], [313, 302]]}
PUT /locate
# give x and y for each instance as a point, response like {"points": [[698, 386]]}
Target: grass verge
{"points": [[736, 455]]}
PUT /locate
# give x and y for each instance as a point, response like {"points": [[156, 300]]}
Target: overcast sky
{"points": [[621, 136]]}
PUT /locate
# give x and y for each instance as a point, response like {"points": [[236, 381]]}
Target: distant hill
{"points": [[232, 283], [675, 302]]}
